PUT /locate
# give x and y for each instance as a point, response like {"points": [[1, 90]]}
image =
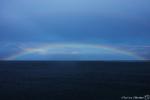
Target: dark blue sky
{"points": [[109, 22]]}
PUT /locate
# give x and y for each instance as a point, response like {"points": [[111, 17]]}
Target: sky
{"points": [[122, 24]]}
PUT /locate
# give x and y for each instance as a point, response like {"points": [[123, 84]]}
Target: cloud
{"points": [[109, 7], [141, 50]]}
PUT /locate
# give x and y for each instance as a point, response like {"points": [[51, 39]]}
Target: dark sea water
{"points": [[73, 80]]}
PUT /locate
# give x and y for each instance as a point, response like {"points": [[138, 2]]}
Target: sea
{"points": [[74, 80]]}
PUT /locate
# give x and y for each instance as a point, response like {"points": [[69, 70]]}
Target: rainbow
{"points": [[47, 46]]}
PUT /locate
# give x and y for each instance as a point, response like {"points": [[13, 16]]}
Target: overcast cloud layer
{"points": [[109, 22]]}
